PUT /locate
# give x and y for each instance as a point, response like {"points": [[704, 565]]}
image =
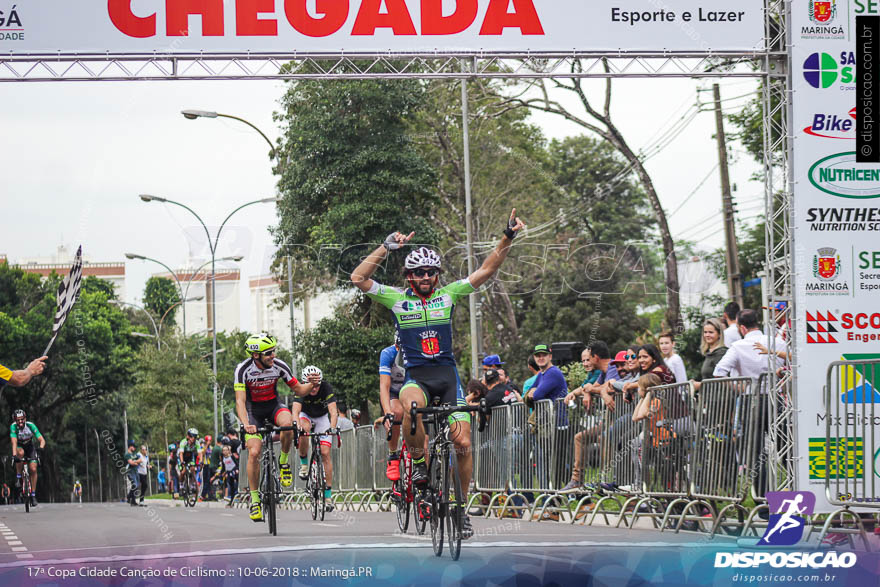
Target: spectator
{"points": [[666, 341], [550, 383], [207, 468], [712, 348], [627, 365], [161, 480], [600, 358], [216, 462], [534, 370], [778, 311], [492, 362], [143, 470], [505, 378], [355, 416], [342, 422], [171, 464], [592, 376], [227, 472], [234, 442], [475, 391], [498, 392], [731, 333], [132, 460], [743, 359], [651, 361], [648, 407]]}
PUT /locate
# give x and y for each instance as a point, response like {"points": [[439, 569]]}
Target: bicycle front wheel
{"points": [[399, 496], [455, 509], [322, 486], [314, 487], [436, 497]]}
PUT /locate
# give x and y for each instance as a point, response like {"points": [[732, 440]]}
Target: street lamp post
{"points": [[144, 310], [179, 302], [212, 245], [273, 153]]}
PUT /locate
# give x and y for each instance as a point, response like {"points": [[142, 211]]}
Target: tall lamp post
{"points": [[212, 245], [182, 292], [273, 153], [144, 310]]}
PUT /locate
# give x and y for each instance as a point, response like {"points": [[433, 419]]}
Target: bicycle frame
{"points": [[316, 482], [270, 484]]}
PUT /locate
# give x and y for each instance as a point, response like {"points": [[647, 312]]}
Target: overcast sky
{"points": [[75, 156]]}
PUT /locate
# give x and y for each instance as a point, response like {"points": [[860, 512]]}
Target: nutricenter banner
{"points": [[63, 27]]}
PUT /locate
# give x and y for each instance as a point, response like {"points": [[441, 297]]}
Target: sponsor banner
{"points": [[358, 26], [836, 219]]}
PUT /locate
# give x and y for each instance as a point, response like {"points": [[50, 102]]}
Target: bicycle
{"points": [[270, 482], [189, 487], [316, 483], [403, 493], [444, 505], [26, 480]]}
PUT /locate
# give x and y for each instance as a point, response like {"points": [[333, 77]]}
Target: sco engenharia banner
{"points": [[369, 26]]}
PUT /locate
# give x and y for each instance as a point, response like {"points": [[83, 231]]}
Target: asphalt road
{"points": [[55, 544]]}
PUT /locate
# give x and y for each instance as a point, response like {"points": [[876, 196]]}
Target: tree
{"points": [[348, 354], [351, 174], [89, 365], [599, 121], [160, 297]]}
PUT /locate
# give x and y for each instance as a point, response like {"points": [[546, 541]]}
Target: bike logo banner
{"points": [[369, 26]]}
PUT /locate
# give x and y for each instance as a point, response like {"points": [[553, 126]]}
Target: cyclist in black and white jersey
{"points": [[257, 401], [316, 412]]}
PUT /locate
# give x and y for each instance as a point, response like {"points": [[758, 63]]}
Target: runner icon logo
{"points": [[787, 518]]}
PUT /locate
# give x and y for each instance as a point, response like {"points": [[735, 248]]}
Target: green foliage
{"points": [[171, 393], [160, 294], [348, 354], [89, 365], [351, 174], [574, 374]]}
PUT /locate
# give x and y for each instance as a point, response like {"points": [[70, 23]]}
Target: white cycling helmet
{"points": [[311, 370], [422, 257]]}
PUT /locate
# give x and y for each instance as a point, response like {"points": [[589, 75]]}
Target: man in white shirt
{"points": [[742, 358], [731, 333]]}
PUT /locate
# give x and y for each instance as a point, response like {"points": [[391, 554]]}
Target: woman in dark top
{"points": [[712, 347], [651, 361]]}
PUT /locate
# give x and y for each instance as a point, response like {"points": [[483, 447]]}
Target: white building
{"points": [[198, 311], [62, 261], [271, 317]]}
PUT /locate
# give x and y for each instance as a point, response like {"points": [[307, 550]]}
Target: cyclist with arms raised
{"points": [[316, 412], [423, 315], [24, 435], [257, 401]]}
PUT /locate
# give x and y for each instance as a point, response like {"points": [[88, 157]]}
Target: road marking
{"points": [[19, 549], [13, 543], [142, 545], [326, 524], [356, 546], [24, 556]]}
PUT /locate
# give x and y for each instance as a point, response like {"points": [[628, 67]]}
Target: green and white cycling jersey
{"points": [[26, 434], [424, 327]]}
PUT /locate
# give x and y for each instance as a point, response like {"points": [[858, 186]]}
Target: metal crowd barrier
{"points": [[851, 460]]}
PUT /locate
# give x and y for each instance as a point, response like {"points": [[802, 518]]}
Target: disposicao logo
{"points": [[786, 525], [840, 175]]}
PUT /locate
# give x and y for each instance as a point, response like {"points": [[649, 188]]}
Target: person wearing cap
{"points": [[499, 392], [133, 460], [492, 362], [550, 383], [627, 365]]}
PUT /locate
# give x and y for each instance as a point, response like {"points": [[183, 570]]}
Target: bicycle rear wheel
{"points": [[26, 489], [192, 489], [454, 511], [436, 497]]}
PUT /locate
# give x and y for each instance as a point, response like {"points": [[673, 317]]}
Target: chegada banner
{"points": [[62, 27]]}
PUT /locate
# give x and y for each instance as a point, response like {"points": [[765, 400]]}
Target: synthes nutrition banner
{"points": [[333, 26], [836, 225]]}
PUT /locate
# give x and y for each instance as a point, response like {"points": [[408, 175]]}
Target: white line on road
{"points": [[24, 556], [13, 543], [374, 546], [118, 546]]}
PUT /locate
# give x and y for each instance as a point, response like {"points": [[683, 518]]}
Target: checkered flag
{"points": [[67, 294]]}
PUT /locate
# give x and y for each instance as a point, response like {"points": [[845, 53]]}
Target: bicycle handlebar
{"points": [[393, 424], [338, 436], [273, 429], [447, 410]]}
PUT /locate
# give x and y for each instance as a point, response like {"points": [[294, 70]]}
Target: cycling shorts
{"points": [[264, 412], [438, 381], [189, 458], [30, 451], [320, 425]]}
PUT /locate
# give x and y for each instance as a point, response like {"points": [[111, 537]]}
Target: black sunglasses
{"points": [[630, 356], [268, 353], [426, 272]]}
